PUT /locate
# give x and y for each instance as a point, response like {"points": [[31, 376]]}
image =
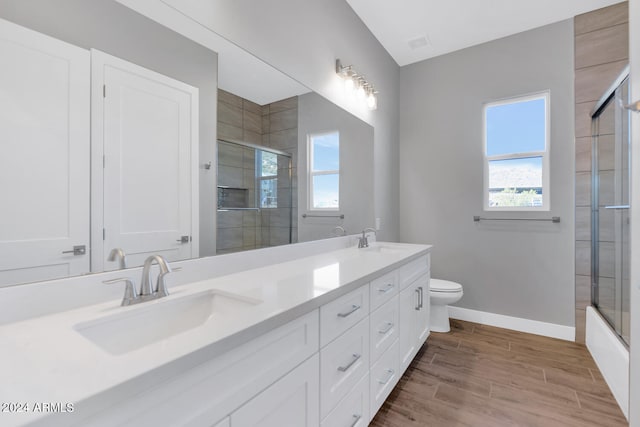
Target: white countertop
{"points": [[46, 360]]}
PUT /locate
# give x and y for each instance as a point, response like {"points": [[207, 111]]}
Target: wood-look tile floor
{"points": [[478, 375]]}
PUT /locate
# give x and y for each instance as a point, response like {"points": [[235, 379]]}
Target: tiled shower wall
{"points": [[601, 52], [273, 125]]}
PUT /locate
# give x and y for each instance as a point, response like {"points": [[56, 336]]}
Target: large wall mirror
{"points": [[119, 133]]}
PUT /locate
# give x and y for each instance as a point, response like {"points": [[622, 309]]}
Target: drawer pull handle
{"points": [[348, 313], [356, 418], [386, 289], [387, 329], [356, 357], [418, 300], [391, 372]]}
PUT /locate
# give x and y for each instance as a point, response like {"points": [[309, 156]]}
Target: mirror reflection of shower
{"points": [[610, 205], [255, 197]]}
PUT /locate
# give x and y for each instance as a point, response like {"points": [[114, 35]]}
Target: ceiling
{"points": [[438, 27]]}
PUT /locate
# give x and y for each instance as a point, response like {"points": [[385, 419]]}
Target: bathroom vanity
{"points": [[320, 338]]}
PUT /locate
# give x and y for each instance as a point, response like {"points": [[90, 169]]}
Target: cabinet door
{"points": [[409, 306], [44, 169], [292, 401], [147, 152], [422, 315]]}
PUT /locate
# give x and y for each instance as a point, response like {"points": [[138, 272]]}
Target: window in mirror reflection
{"points": [[324, 171], [268, 178]]}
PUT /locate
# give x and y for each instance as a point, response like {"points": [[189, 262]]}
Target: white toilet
{"points": [[442, 293]]}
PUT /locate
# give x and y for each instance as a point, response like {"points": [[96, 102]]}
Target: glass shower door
{"points": [[610, 211]]}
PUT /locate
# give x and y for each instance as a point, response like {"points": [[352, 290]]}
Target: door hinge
{"points": [[104, 234], [104, 91], [104, 161]]}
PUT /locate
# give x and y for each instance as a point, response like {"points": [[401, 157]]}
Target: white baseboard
{"points": [[611, 356], [552, 330]]}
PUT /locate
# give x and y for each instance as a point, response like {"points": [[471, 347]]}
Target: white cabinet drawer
{"points": [[383, 289], [384, 328], [342, 364], [383, 377], [342, 313], [414, 269], [353, 410]]}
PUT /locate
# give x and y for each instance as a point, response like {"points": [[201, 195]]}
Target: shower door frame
{"points": [[268, 150], [609, 96]]}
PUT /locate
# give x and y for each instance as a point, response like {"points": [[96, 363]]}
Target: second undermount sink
{"points": [[142, 325], [382, 248]]}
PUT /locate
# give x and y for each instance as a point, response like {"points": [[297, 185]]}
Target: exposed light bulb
{"points": [[348, 84], [372, 102], [356, 85]]}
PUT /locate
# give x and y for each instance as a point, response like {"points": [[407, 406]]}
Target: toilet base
{"points": [[439, 318]]}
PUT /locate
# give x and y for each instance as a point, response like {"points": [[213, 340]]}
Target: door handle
{"points": [[184, 239], [77, 250], [417, 307], [345, 368], [388, 288], [387, 329], [617, 207], [390, 373], [354, 308]]}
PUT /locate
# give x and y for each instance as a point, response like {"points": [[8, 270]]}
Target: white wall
{"points": [[634, 355], [303, 38], [317, 115], [520, 269]]}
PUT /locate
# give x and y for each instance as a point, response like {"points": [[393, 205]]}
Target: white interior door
{"points": [[146, 127], [44, 166]]}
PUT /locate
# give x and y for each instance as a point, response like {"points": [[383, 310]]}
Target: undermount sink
{"points": [[138, 327], [382, 248]]}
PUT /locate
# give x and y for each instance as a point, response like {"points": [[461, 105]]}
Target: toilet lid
{"points": [[439, 285]]}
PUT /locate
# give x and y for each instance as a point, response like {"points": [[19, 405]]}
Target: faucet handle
{"points": [[130, 294]]}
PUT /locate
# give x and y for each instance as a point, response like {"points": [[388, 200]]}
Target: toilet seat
{"points": [[445, 286]]}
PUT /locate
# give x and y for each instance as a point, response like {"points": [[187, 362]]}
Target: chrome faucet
{"points": [[340, 229], [363, 242], [118, 253], [146, 293]]}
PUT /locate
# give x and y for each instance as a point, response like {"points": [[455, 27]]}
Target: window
{"points": [[324, 171], [267, 179], [516, 148]]}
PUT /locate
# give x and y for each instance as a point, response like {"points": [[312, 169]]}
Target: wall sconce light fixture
{"points": [[356, 83]]}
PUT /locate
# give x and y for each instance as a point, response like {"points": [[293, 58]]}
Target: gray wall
{"points": [[303, 38], [317, 115], [115, 29], [521, 269]]}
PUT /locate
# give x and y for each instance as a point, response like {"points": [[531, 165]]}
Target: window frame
{"points": [[260, 179], [312, 173], [546, 190]]}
